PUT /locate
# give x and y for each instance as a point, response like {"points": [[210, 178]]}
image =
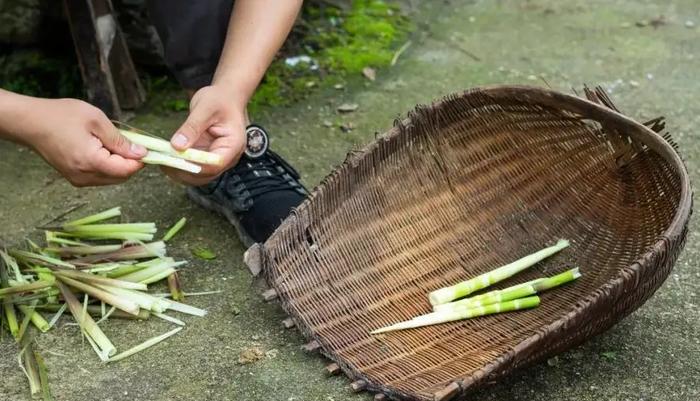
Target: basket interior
{"points": [[463, 189]]}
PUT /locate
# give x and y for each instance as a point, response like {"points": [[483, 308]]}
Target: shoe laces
{"points": [[268, 173]]}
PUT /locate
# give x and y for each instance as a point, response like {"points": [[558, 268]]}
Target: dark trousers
{"points": [[193, 34]]}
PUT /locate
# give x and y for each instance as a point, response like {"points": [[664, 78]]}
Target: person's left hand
{"points": [[216, 124]]}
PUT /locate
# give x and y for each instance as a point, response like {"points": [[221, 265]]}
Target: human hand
{"points": [[79, 141], [216, 124]]}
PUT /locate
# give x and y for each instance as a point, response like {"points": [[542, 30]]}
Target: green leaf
{"points": [[203, 253], [610, 355], [176, 104]]}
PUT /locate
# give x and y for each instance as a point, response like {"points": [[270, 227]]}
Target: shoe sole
{"points": [[203, 201]]}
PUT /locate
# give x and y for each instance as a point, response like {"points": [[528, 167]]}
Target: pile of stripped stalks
{"points": [[96, 271]]}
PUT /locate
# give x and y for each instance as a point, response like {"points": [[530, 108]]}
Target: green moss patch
{"points": [[340, 44]]}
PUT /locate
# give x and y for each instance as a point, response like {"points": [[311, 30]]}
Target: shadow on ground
{"points": [[650, 69]]}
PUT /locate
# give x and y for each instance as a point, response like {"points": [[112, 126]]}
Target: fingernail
{"points": [[138, 150], [179, 140]]}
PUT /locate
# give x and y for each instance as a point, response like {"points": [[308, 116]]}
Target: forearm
{"points": [[257, 30], [17, 117]]}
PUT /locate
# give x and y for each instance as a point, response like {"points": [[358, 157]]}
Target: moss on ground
{"points": [[340, 43]]}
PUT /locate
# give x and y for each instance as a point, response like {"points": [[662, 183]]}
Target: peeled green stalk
{"points": [[175, 288], [134, 267], [107, 214], [95, 279], [555, 281], [157, 268], [11, 264], [127, 306], [43, 377], [162, 159], [174, 229], [164, 147], [94, 310], [36, 319], [33, 245], [7, 304], [148, 228], [146, 344], [159, 276], [489, 298], [57, 315], [25, 322], [463, 313], [92, 330], [105, 267], [31, 287], [29, 366], [83, 250], [187, 309], [514, 292], [131, 252], [169, 318], [47, 294], [447, 294], [52, 238], [27, 256], [142, 299], [105, 314], [126, 236], [124, 270]]}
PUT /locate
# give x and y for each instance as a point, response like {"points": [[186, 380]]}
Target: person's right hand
{"points": [[79, 141]]}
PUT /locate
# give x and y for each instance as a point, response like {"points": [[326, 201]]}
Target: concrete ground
{"points": [[651, 69]]}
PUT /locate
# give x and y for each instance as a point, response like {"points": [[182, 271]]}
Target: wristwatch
{"points": [[257, 141]]}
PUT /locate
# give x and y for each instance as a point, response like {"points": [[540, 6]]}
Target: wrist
{"points": [[238, 91], [18, 118]]}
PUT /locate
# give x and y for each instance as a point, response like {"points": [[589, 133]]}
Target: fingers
{"points": [[218, 130], [199, 120], [111, 139], [115, 166], [230, 148]]}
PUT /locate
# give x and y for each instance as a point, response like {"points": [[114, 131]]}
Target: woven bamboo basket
{"points": [[476, 180]]}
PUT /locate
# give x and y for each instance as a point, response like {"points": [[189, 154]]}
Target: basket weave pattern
{"points": [[459, 188]]}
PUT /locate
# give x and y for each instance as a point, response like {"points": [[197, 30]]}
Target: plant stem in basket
{"points": [[514, 292], [463, 313], [447, 294]]}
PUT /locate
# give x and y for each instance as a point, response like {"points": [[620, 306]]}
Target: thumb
{"points": [[115, 142], [190, 131]]}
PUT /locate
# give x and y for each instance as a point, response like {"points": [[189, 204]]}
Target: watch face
{"points": [[257, 141]]}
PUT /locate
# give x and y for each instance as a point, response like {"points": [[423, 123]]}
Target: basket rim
{"points": [[551, 99]]}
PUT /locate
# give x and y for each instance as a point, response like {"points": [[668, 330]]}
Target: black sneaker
{"points": [[257, 193]]}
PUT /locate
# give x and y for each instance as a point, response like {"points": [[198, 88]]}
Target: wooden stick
{"points": [[333, 369], [311, 346], [269, 295], [358, 386]]}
